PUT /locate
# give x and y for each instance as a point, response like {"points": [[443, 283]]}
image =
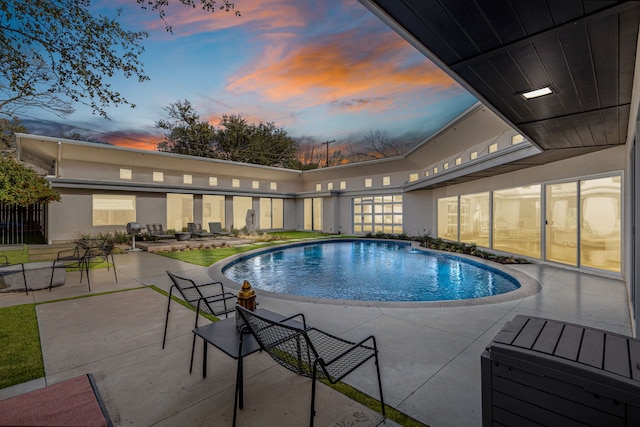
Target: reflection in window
{"points": [[125, 173], [158, 176], [600, 225], [474, 219], [179, 211], [212, 210], [516, 220], [109, 209], [448, 218]]}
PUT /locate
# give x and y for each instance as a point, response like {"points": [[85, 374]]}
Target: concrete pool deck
{"points": [[430, 356]]}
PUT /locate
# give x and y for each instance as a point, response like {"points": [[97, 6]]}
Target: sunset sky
{"points": [[322, 70]]}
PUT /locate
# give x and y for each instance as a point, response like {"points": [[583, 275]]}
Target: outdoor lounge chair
{"points": [[209, 298], [311, 352], [195, 228], [216, 229], [156, 232], [7, 268]]}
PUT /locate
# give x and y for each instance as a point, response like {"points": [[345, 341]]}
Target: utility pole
{"points": [[327, 144]]}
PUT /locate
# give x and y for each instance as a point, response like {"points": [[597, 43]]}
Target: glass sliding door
{"points": [[474, 219], [562, 223], [600, 232], [212, 210], [448, 218], [179, 211], [241, 205], [516, 220]]}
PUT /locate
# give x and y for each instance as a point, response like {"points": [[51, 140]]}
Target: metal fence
{"points": [[19, 224]]}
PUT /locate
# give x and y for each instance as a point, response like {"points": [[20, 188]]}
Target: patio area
{"points": [[430, 357]]}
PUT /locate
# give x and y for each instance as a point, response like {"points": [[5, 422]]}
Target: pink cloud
{"points": [[338, 70]]}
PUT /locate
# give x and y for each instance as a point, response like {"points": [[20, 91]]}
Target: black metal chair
{"points": [[72, 258], [100, 255], [195, 228], [6, 269], [216, 229], [214, 300], [311, 352]]}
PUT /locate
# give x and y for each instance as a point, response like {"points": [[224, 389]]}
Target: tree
{"points": [[22, 186], [376, 146], [54, 53], [262, 144], [7, 129], [188, 134], [234, 139]]}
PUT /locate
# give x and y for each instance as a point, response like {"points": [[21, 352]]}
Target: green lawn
{"points": [[16, 256], [20, 353], [207, 257]]}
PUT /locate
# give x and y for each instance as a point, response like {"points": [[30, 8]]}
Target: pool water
{"points": [[369, 271]]}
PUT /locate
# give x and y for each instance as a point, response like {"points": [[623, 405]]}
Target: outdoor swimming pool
{"points": [[368, 271]]}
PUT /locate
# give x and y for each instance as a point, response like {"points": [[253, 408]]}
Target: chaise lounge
{"points": [[156, 232], [216, 229]]}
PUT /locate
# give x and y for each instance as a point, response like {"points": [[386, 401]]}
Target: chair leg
{"points": [[53, 271], [24, 277], [313, 395], [193, 348], [114, 267], [166, 319], [384, 415]]}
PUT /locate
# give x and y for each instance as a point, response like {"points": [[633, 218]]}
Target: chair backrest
{"points": [[287, 345], [215, 227], [187, 288], [194, 227], [151, 229]]}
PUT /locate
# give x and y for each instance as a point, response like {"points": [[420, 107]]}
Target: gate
{"points": [[22, 225]]}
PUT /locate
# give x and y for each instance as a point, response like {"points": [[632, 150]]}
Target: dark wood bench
{"points": [[548, 372]]}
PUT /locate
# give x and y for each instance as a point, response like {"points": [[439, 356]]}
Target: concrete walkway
{"points": [[430, 357]]}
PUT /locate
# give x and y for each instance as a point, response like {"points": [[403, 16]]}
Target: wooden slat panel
{"points": [[510, 330], [549, 337], [502, 19], [560, 388], [592, 348], [573, 411], [533, 412], [634, 359], [616, 355], [529, 333], [506, 418], [569, 344], [604, 43]]}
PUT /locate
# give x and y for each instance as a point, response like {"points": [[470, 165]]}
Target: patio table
{"points": [[225, 336]]}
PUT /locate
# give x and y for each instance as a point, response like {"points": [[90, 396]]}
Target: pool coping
{"points": [[528, 285]]}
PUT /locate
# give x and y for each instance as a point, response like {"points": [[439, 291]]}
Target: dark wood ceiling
{"points": [[584, 50]]}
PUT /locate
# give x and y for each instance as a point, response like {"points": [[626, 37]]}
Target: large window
{"points": [[313, 214], [179, 211], [562, 223], [448, 218], [581, 224], [213, 210], [474, 219], [516, 220], [241, 206], [271, 214], [600, 225], [377, 214], [110, 209]]}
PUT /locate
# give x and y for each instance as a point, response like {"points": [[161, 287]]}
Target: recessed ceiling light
{"points": [[538, 92]]}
